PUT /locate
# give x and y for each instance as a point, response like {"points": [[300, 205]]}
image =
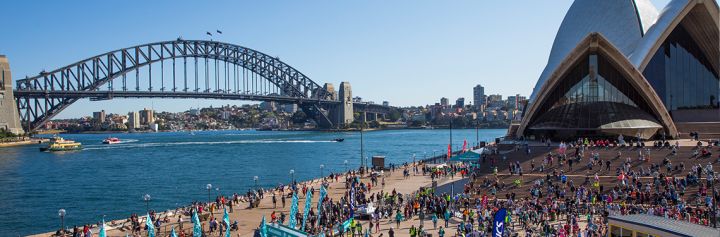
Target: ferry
{"points": [[60, 144], [111, 140]]}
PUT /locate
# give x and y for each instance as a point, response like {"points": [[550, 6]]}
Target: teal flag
{"points": [[102, 233], [263, 228], [226, 219], [197, 229], [323, 192], [293, 211], [308, 203], [150, 226], [172, 233]]}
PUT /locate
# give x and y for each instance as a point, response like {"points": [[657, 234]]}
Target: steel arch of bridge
{"points": [[41, 97]]}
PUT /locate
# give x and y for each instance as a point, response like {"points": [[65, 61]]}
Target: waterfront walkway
{"points": [[249, 219]]}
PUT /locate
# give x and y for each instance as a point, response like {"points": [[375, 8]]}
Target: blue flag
{"points": [[226, 219], [293, 211], [263, 228], [102, 233], [308, 202], [499, 223], [172, 233], [352, 202], [323, 192], [150, 226], [197, 229]]}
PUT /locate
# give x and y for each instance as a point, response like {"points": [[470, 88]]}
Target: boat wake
{"points": [[167, 144], [127, 141]]}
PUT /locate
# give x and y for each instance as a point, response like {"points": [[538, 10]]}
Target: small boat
{"points": [[111, 140], [60, 144], [339, 139]]}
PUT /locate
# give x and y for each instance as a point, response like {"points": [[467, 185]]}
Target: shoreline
{"points": [[30, 141], [249, 218]]}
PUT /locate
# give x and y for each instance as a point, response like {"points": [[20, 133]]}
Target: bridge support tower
{"points": [[344, 111], [9, 118]]}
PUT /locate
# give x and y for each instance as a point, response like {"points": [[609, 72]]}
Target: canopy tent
{"points": [[470, 156]]}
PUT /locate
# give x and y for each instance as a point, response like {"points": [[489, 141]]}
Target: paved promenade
{"points": [[249, 219]]}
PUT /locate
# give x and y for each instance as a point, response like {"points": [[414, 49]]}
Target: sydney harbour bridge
{"points": [[195, 69]]}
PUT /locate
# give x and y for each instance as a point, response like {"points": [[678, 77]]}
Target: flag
{"points": [[293, 211], [499, 223], [346, 224], [352, 202], [449, 151], [323, 192], [464, 145], [226, 219], [263, 228], [102, 229], [208, 33], [150, 226], [308, 202], [197, 229], [218, 31], [172, 233]]}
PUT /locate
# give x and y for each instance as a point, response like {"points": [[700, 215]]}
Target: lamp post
{"points": [[477, 134], [61, 213], [346, 167], [362, 151], [256, 180], [208, 187], [146, 197], [321, 170], [292, 175]]}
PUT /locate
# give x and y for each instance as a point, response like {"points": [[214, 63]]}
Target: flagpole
{"points": [[451, 136]]}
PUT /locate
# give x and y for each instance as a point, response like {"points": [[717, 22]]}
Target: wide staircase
{"points": [[579, 171], [706, 130]]}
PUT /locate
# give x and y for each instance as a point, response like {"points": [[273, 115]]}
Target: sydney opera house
{"points": [[622, 67]]}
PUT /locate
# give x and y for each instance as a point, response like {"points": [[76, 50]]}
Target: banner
{"points": [[449, 154], [226, 219], [308, 203], [464, 145], [150, 226], [499, 223], [293, 211], [172, 233], [263, 228], [102, 233], [197, 229], [352, 202], [323, 192]]}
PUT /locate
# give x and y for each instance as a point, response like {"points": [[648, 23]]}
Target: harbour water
{"points": [[174, 168]]}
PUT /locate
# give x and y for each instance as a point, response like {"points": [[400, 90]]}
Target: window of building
{"points": [[682, 75]]}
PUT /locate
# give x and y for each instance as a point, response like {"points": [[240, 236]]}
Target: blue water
{"points": [[174, 169]]}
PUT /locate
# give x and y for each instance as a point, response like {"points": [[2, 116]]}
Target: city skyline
{"points": [[414, 53]]}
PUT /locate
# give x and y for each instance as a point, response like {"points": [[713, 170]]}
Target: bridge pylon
{"points": [[9, 118]]}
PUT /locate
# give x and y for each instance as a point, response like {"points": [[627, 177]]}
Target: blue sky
{"points": [[408, 52]]}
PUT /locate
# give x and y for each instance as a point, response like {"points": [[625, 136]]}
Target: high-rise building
{"points": [[133, 120], [99, 117], [512, 102], [269, 106], [478, 95], [147, 117], [444, 102], [460, 102]]}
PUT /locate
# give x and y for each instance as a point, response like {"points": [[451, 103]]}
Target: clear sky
{"points": [[408, 52]]}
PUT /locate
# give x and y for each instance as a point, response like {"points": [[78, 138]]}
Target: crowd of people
{"points": [[554, 198]]}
